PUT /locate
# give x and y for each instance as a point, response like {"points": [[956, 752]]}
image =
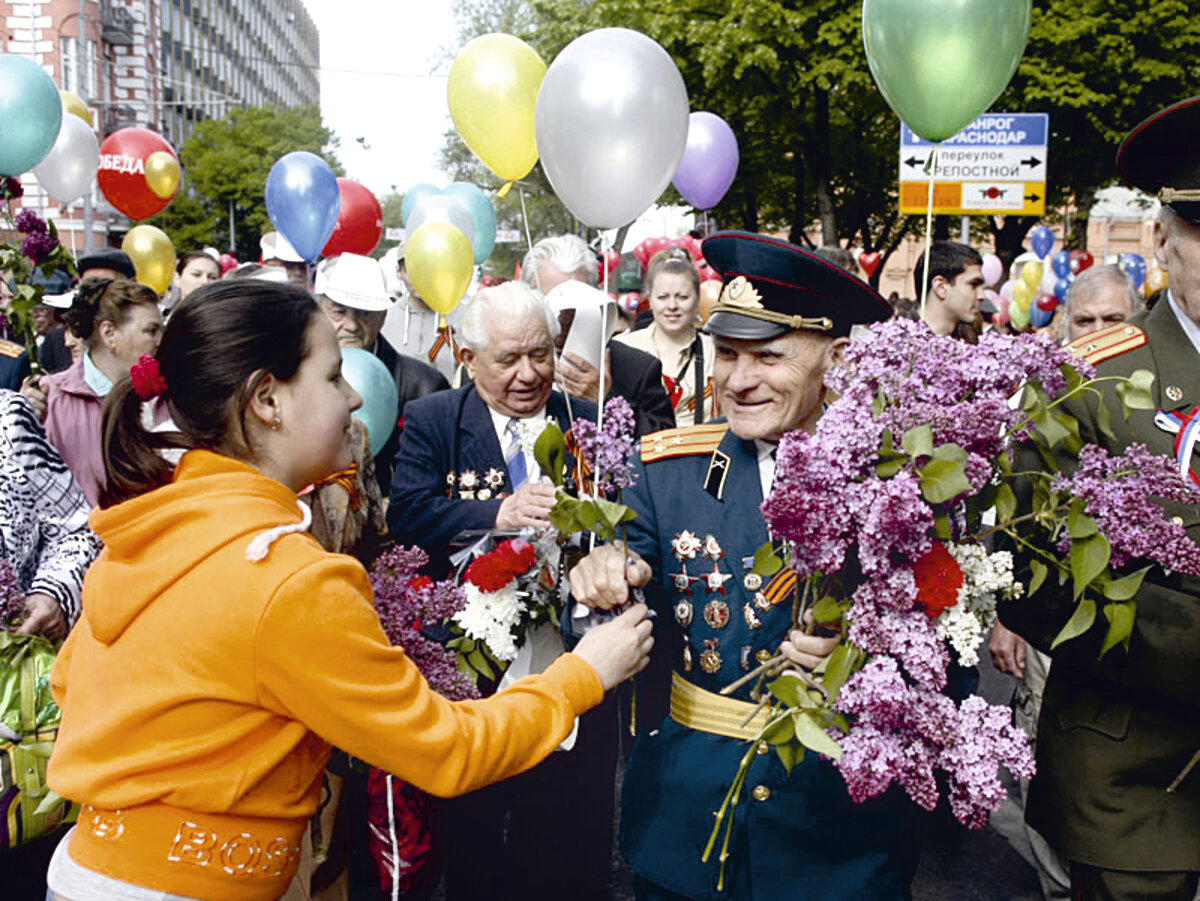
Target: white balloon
{"points": [[611, 125], [441, 208], [69, 169]]}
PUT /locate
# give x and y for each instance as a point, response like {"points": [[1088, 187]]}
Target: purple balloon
{"points": [[709, 162]]}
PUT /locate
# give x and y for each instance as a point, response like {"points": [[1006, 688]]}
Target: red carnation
{"points": [[938, 578], [420, 582], [493, 571]]}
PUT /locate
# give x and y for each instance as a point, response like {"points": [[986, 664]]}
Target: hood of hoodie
{"points": [[153, 540]]}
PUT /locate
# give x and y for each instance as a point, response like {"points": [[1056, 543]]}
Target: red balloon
{"points": [[360, 221], [122, 174], [227, 261], [610, 261], [870, 262], [1047, 303], [642, 252], [1080, 260]]}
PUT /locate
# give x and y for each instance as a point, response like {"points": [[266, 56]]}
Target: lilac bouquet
{"points": [[882, 512]]}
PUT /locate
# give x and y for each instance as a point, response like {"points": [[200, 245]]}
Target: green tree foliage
{"points": [[225, 164]]}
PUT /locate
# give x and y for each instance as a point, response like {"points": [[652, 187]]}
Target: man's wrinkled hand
{"points": [[529, 505], [807, 651], [44, 617], [601, 579], [581, 378], [34, 391], [1008, 650]]}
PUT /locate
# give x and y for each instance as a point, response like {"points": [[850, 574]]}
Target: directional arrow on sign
{"points": [[1033, 198], [1033, 162], [914, 162]]}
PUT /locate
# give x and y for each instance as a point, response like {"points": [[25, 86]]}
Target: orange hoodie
{"points": [[200, 692]]}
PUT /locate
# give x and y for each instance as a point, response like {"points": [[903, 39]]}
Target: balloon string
{"points": [[524, 217], [931, 170], [604, 310]]}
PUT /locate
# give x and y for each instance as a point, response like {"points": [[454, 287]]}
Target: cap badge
{"points": [[740, 293]]}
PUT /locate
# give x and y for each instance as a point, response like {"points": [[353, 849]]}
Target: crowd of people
{"points": [[195, 457]]}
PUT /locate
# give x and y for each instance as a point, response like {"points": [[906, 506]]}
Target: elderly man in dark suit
{"points": [[466, 463]]}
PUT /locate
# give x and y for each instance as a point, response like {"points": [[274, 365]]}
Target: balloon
{"points": [[375, 384], [359, 223], [1018, 316], [1080, 260], [870, 262], [642, 252], [68, 170], [993, 269], [1156, 280], [413, 196], [1041, 239], [612, 125], [227, 261], [1134, 265], [153, 256], [940, 63], [692, 246], [1061, 263], [1006, 290], [1061, 287], [303, 201], [483, 215], [1031, 273], [1042, 311], [1047, 302], [440, 264], [122, 175], [493, 95], [1022, 294], [162, 174], [710, 161], [710, 293], [31, 110], [72, 105], [443, 208]]}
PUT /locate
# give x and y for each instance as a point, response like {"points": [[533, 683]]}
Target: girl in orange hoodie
{"points": [[221, 650]]}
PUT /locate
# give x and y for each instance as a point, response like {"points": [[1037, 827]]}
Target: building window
{"points": [[77, 73]]}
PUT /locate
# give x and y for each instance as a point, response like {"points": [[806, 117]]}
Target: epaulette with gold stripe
{"points": [[11, 349], [1107, 343], [684, 442]]}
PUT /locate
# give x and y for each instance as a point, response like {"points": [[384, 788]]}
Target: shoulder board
{"points": [[11, 349], [688, 441], [1107, 343]]}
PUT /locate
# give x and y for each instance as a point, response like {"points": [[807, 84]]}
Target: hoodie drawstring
{"points": [[257, 550]]}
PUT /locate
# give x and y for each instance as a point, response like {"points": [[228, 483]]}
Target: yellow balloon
{"points": [[153, 256], [76, 107], [162, 173], [1023, 293], [440, 263], [1031, 274], [1156, 280], [493, 91]]}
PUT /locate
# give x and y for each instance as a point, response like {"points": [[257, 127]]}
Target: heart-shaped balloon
{"points": [[870, 261], [940, 63]]}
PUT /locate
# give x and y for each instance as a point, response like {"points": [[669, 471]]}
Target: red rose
{"points": [[420, 582], [493, 571], [938, 578]]}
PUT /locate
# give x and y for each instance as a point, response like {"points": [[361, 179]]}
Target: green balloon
{"points": [[940, 63]]}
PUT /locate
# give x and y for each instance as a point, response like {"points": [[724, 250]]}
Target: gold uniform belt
{"points": [[695, 708]]}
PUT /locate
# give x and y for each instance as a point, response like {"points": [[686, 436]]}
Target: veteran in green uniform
{"points": [[1114, 793], [783, 320]]}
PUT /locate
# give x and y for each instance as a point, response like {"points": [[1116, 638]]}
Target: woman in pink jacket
{"points": [[118, 320]]}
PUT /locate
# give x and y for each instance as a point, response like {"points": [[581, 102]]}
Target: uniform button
{"points": [[763, 655], [763, 748], [1129, 329], [1178, 520], [761, 793]]}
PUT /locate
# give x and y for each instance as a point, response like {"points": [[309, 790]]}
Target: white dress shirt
{"points": [[533, 472]]}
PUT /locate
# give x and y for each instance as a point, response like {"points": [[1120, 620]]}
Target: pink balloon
{"points": [[1006, 290], [993, 269]]}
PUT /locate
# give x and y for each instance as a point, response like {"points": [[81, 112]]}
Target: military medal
{"points": [[712, 550], [716, 614], [715, 580], [1174, 393], [744, 658], [752, 620], [683, 613], [682, 581], [763, 655], [687, 657], [468, 481], [484, 494], [494, 479], [685, 545], [752, 581], [761, 602], [710, 659]]}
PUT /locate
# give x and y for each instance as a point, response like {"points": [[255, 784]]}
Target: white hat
{"points": [[353, 281], [276, 247], [59, 301]]}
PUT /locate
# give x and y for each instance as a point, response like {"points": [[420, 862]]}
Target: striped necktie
{"points": [[514, 457]]}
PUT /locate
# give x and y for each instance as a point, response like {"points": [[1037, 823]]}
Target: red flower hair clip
{"points": [[147, 378]]}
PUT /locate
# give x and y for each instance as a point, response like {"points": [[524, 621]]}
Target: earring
{"points": [[276, 424]]}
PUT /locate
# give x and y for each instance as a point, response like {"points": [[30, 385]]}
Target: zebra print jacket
{"points": [[44, 532]]}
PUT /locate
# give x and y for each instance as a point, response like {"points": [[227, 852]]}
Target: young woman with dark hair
{"points": [[195, 269], [221, 650]]}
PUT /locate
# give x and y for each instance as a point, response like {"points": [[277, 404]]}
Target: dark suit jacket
{"points": [[637, 377], [414, 379], [1114, 732], [445, 435], [54, 354]]}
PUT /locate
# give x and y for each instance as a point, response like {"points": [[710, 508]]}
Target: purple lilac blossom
{"points": [[30, 223], [907, 635], [1118, 491], [12, 599], [986, 740], [608, 450], [38, 246], [893, 523]]}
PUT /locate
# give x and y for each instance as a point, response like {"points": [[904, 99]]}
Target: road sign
{"points": [[997, 164]]}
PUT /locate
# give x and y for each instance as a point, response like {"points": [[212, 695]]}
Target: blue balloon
{"points": [[482, 214], [303, 201], [1042, 240], [1134, 265], [31, 112], [1039, 317], [413, 196], [374, 383], [1062, 286], [1062, 264]]}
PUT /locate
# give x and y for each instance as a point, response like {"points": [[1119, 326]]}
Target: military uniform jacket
{"points": [[1114, 733], [794, 837]]}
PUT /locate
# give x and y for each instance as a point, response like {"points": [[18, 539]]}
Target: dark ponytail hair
{"points": [[104, 300], [219, 344]]}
